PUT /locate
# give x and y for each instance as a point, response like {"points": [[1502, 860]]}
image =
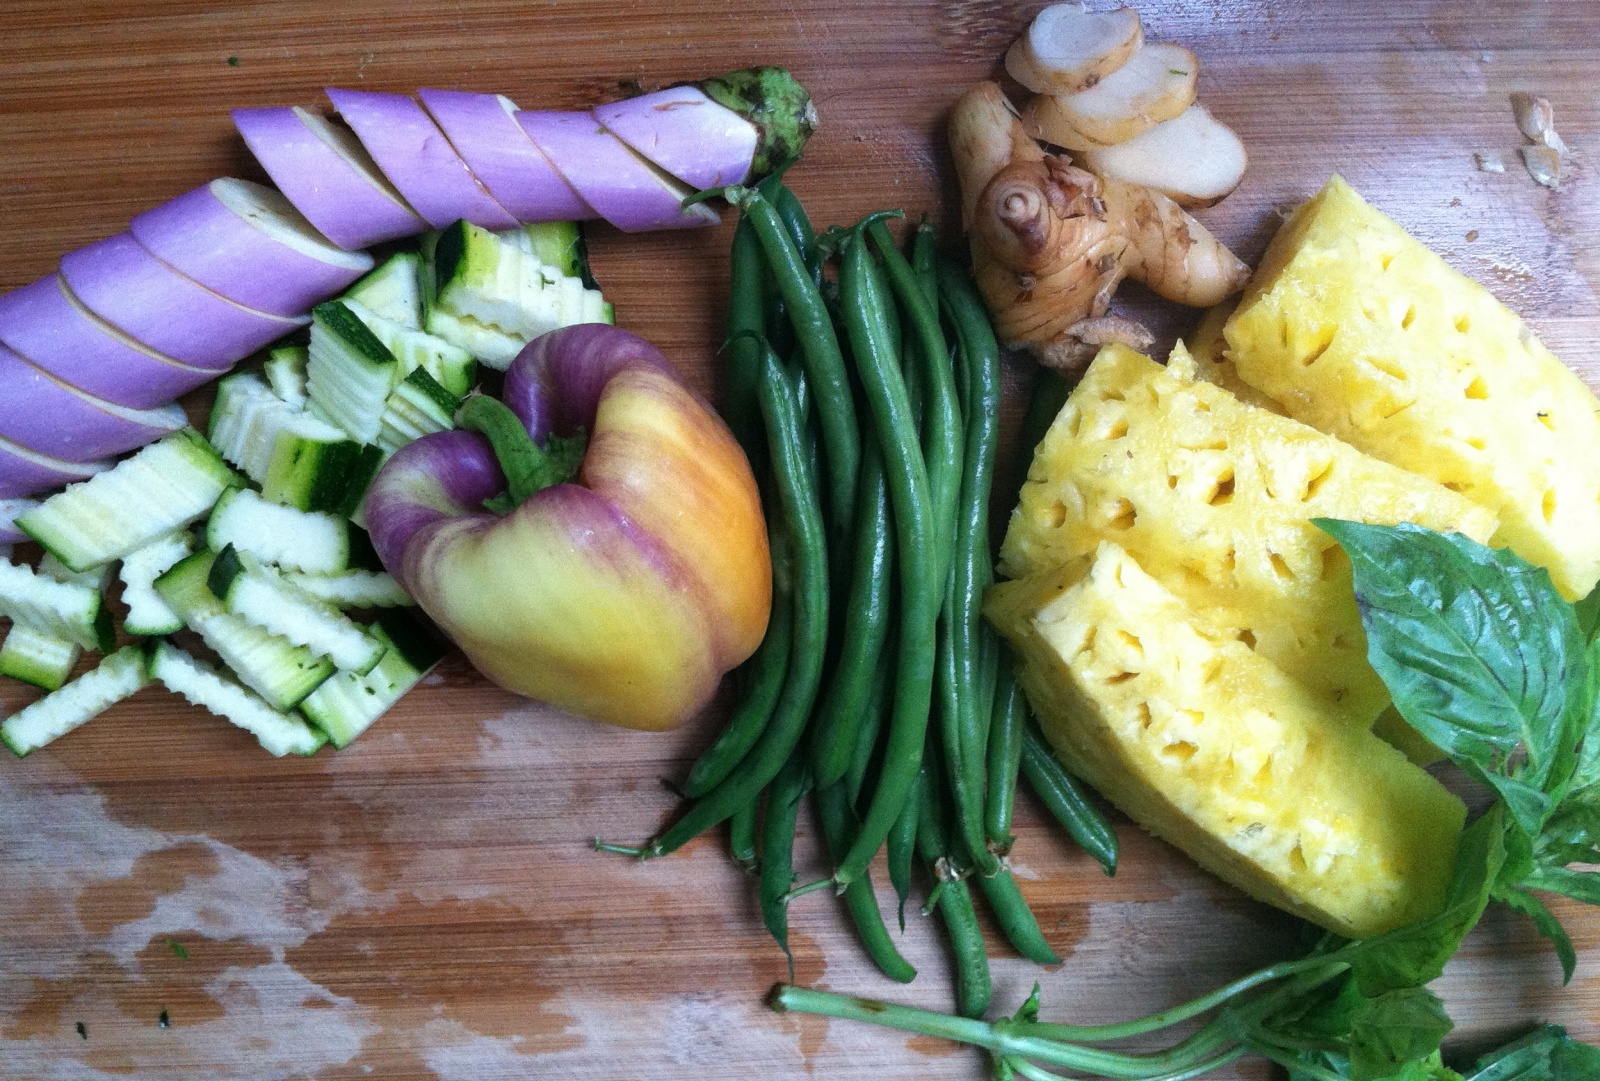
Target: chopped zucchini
{"points": [[350, 372], [353, 589], [393, 290], [164, 487], [418, 407], [279, 733], [148, 614], [492, 347], [452, 366], [300, 460], [285, 370], [313, 542], [558, 245], [74, 611], [264, 598], [38, 657], [348, 704], [119, 676], [269, 664]]}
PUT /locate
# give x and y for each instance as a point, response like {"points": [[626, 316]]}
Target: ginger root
{"points": [[1051, 242]]}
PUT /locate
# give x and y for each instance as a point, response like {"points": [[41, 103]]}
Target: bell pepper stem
{"points": [[526, 466]]}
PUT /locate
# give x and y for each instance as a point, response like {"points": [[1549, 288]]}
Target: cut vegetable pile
{"points": [[93, 356]]}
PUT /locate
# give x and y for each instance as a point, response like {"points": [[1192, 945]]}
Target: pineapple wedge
{"points": [[1210, 352], [1206, 744], [1363, 333], [1215, 499]]}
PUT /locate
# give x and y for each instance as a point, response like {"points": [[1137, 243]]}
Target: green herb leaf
{"points": [[1545, 1054], [178, 949], [1481, 654], [1545, 920], [1415, 955], [1396, 1030], [1589, 613]]}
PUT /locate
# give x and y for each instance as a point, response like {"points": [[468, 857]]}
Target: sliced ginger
{"points": [[1066, 49], [1156, 85], [1194, 160]]}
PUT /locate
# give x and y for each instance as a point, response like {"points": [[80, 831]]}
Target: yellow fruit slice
{"points": [[1215, 499], [1361, 332], [1206, 744]]}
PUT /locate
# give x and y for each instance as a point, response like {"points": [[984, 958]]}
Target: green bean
{"points": [[784, 796], [747, 272], [803, 517], [790, 209], [866, 312], [973, 986], [871, 727], [923, 259], [819, 350], [1015, 918], [964, 671], [766, 672], [942, 448], [1005, 758], [1067, 801], [902, 845], [865, 625], [742, 835], [838, 823]]}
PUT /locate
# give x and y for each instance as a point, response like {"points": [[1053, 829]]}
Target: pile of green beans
{"points": [[868, 403]]}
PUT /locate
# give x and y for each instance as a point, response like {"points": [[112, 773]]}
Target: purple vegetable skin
{"points": [[326, 174], [416, 157], [25, 472], [43, 414], [681, 130], [138, 293], [484, 131], [247, 242], [46, 325], [618, 183]]}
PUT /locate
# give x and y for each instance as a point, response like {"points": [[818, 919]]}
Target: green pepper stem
{"points": [[527, 468]]}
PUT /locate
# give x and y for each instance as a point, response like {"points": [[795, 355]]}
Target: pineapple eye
{"points": [[1477, 389], [1279, 566], [1122, 515], [1182, 750], [1544, 418], [1223, 492], [1409, 317], [1549, 505], [1141, 712], [1131, 641], [1334, 561], [1463, 324], [1314, 485]]}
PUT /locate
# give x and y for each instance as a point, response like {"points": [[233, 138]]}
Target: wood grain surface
{"points": [[424, 905]]}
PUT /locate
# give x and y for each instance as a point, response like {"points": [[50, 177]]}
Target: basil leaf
{"points": [[1396, 1030], [1545, 920], [1480, 653], [1415, 955], [1589, 614], [1545, 1054]]}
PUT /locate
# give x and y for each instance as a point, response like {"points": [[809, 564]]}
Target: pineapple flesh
{"points": [[1214, 498], [1356, 329], [1205, 743]]}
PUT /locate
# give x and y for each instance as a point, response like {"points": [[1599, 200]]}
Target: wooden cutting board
{"points": [[425, 904]]}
